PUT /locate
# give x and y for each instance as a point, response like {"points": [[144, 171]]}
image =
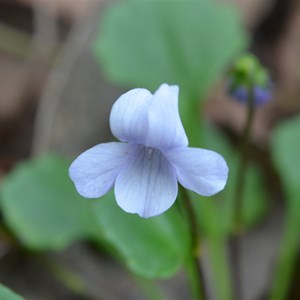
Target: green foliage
{"points": [[152, 246], [42, 207], [285, 152], [188, 43], [215, 215], [6, 294], [255, 202]]}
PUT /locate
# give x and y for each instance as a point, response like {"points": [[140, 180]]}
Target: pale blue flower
{"points": [[152, 155]]}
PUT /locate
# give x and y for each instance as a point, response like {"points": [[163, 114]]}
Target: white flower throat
{"points": [[149, 152]]}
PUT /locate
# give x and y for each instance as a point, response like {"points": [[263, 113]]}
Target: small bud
{"points": [[247, 73]]}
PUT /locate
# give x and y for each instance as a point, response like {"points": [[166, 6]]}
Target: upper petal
{"points": [[128, 117], [95, 170], [148, 185], [165, 129], [202, 171]]}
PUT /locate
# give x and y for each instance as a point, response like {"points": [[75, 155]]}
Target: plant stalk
{"points": [[235, 250], [194, 269]]}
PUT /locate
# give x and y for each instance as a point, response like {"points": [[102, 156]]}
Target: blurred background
{"points": [[55, 97]]}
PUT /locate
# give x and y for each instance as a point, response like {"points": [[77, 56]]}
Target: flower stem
{"points": [[194, 269], [288, 255], [234, 245], [239, 192]]}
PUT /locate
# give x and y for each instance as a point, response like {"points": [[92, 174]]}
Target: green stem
{"points": [[239, 194], [240, 186], [289, 251], [194, 270], [219, 261]]}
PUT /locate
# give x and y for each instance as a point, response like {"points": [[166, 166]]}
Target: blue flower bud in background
{"points": [[247, 73], [262, 95]]}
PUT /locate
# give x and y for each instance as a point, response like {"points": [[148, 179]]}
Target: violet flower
{"points": [[152, 155]]}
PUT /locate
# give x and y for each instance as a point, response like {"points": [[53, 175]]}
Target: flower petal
{"points": [[165, 128], [95, 170], [148, 185], [202, 171], [128, 117]]}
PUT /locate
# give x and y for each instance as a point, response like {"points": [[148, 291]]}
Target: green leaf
{"points": [[40, 204], [151, 247], [285, 154], [147, 43], [6, 294]]}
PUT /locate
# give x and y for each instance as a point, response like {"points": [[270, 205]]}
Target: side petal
{"points": [[128, 117], [202, 171], [95, 170], [165, 129], [148, 185]]}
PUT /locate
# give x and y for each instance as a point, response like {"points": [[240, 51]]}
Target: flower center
{"points": [[149, 152]]}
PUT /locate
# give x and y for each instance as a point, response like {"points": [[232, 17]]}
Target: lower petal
{"points": [[95, 170], [148, 185], [202, 171]]}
